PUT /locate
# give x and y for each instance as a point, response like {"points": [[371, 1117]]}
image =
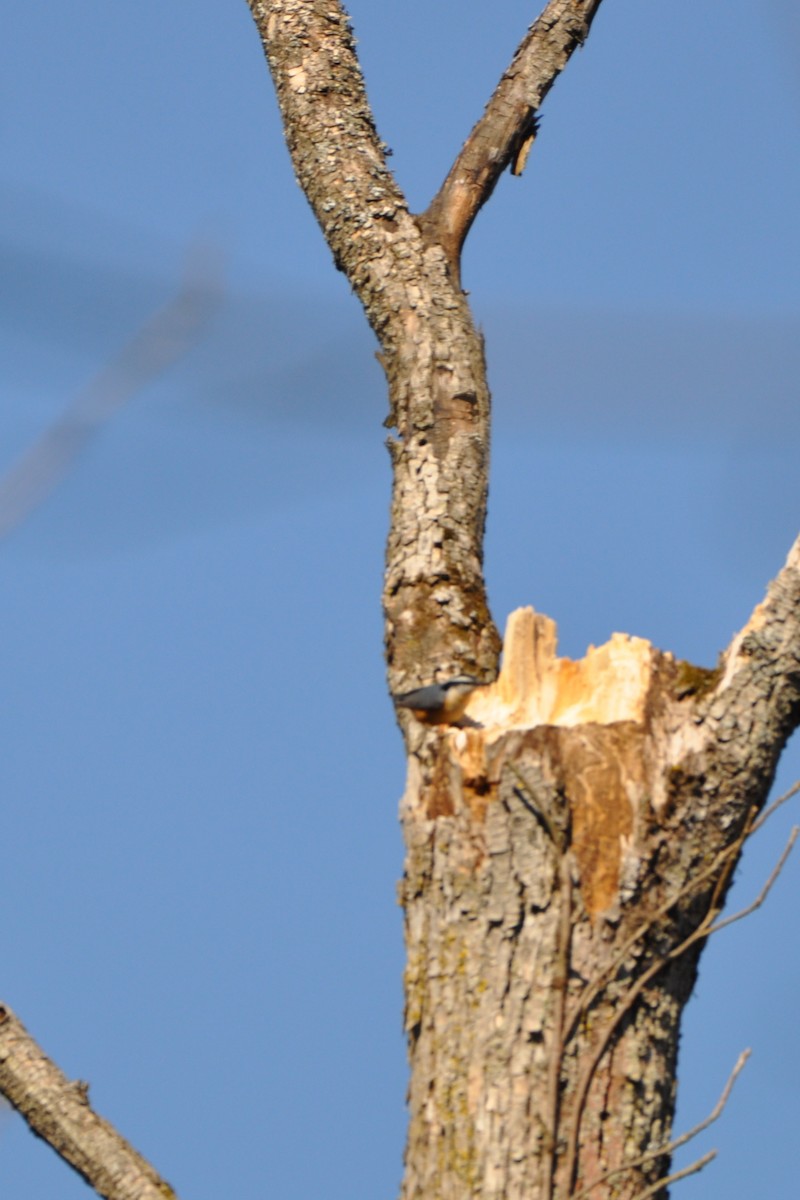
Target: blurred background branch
{"points": [[165, 337]]}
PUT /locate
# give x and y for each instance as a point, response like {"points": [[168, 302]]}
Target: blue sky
{"points": [[201, 769]]}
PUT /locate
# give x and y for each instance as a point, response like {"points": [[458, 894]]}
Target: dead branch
{"points": [[337, 154], [676, 1143], [706, 928], [758, 672], [431, 350], [776, 804], [59, 1112], [596, 985], [709, 925], [692, 1169], [505, 133]]}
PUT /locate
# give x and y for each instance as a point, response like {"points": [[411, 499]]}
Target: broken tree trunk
{"points": [[568, 851]]}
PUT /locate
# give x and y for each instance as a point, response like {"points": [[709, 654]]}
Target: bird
{"points": [[439, 703]]}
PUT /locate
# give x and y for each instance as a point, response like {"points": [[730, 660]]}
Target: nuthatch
{"points": [[439, 703]]}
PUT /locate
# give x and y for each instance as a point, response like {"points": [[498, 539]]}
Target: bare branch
{"points": [[162, 340], [59, 1112], [726, 859], [676, 1143], [716, 1111], [776, 804], [504, 134], [710, 926], [762, 895], [706, 928], [692, 1169]]}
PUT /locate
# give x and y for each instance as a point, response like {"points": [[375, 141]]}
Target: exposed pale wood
{"points": [[640, 775], [536, 687]]}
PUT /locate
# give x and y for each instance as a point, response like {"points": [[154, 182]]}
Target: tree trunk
{"points": [[567, 855], [570, 842], [569, 847]]}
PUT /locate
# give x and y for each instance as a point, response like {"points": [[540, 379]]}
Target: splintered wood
{"points": [[536, 687], [580, 726]]}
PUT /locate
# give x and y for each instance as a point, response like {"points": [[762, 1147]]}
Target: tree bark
{"points": [[568, 855], [569, 844], [568, 849], [58, 1111]]}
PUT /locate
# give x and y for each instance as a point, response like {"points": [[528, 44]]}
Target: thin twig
{"points": [[603, 977], [59, 1112], [692, 1169], [751, 826], [703, 931], [716, 1111], [676, 1143], [776, 804]]}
